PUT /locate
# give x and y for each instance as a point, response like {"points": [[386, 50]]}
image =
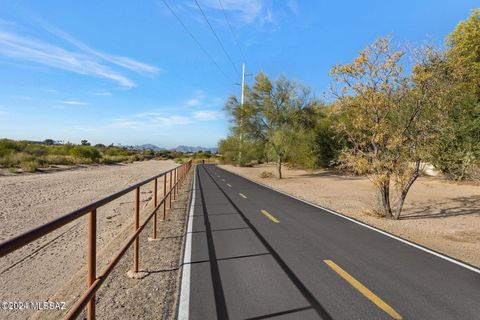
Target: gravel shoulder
{"points": [[153, 297], [39, 270], [438, 214]]}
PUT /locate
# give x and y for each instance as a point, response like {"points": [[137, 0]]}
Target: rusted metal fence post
{"points": [[155, 189], [164, 193], [136, 245], [175, 184], [170, 190], [92, 259]]}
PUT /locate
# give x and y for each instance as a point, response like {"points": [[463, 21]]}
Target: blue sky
{"points": [[127, 72]]}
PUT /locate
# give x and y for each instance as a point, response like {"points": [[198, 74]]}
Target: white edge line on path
{"points": [[435, 253], [184, 305]]}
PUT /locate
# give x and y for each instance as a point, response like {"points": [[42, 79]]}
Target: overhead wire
{"points": [[218, 39], [231, 30], [196, 41]]}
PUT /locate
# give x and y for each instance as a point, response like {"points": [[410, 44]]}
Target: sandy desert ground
{"points": [[38, 270], [438, 214]]}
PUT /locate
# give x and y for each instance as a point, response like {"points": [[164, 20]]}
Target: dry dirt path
{"points": [[37, 271]]}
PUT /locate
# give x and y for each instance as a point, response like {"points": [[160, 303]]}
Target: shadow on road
{"points": [[270, 254]]}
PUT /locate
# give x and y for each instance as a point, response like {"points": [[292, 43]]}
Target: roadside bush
{"points": [[85, 152], [14, 159], [108, 159], [35, 150], [59, 160], [29, 165], [266, 175], [116, 151], [63, 150], [12, 170], [8, 146]]}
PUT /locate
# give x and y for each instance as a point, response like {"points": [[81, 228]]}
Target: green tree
{"points": [[243, 146], [327, 142], [464, 52], [48, 142], [279, 119], [458, 147]]}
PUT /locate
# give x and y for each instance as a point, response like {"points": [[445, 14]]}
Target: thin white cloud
{"points": [[173, 120], [124, 62], [6, 23], [198, 99], [249, 10], [254, 11], [75, 103], [102, 93], [134, 122], [86, 61], [293, 6], [122, 123], [201, 99], [149, 120], [29, 49], [22, 97], [207, 115], [149, 114], [193, 102]]}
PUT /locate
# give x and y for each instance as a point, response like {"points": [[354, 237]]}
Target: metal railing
{"points": [[175, 176]]}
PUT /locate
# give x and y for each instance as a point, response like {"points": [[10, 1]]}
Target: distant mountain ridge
{"points": [[194, 149], [181, 148]]}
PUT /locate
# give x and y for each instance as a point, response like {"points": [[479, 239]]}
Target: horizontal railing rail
{"points": [[175, 176]]}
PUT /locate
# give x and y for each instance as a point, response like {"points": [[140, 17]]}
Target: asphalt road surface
{"points": [[254, 253]]}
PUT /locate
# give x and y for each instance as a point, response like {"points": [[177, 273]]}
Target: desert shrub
{"points": [[116, 151], [14, 159], [8, 146], [85, 152], [138, 157], [110, 159], [35, 150], [266, 174], [29, 165], [59, 160], [6, 162], [181, 160], [12, 170], [63, 150]]}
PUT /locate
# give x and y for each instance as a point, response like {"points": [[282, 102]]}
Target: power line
{"points": [[196, 41], [231, 30], [218, 39]]}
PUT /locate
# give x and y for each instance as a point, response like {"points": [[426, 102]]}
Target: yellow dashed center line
{"points": [[269, 216], [243, 196], [363, 290], [228, 184]]}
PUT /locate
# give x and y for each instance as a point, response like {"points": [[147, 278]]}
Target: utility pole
{"points": [[241, 114], [243, 84]]}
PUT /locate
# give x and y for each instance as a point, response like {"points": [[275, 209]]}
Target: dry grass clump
{"points": [[266, 175]]}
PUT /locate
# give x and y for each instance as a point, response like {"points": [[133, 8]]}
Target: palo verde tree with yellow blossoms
{"points": [[388, 118]]}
